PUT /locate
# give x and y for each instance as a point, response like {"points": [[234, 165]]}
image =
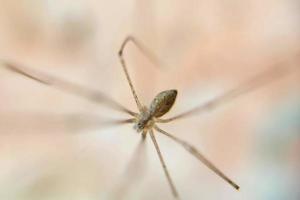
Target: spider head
{"points": [[143, 121]]}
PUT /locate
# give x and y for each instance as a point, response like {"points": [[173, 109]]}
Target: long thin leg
{"points": [[73, 88], [47, 120], [80, 122], [256, 82], [104, 123], [199, 156], [147, 53], [164, 166], [133, 172], [138, 103]]}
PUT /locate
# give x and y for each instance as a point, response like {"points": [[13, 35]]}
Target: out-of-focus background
{"points": [[52, 144]]}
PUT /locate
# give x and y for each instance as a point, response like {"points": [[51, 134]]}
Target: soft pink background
{"points": [[52, 146]]}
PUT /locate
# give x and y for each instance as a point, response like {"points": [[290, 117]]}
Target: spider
{"points": [[146, 120]]}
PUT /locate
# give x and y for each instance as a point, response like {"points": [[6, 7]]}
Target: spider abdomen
{"points": [[162, 103]]}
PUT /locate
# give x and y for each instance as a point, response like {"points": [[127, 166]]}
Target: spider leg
{"points": [[146, 52], [80, 122], [142, 47], [199, 156], [122, 60], [144, 134], [113, 122], [133, 172], [67, 86], [271, 74], [164, 166]]}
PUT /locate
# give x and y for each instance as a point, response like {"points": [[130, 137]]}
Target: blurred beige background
{"points": [[52, 145]]}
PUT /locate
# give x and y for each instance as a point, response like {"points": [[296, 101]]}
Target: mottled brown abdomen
{"points": [[162, 103]]}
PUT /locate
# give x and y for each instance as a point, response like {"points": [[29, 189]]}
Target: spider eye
{"points": [[139, 124]]}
